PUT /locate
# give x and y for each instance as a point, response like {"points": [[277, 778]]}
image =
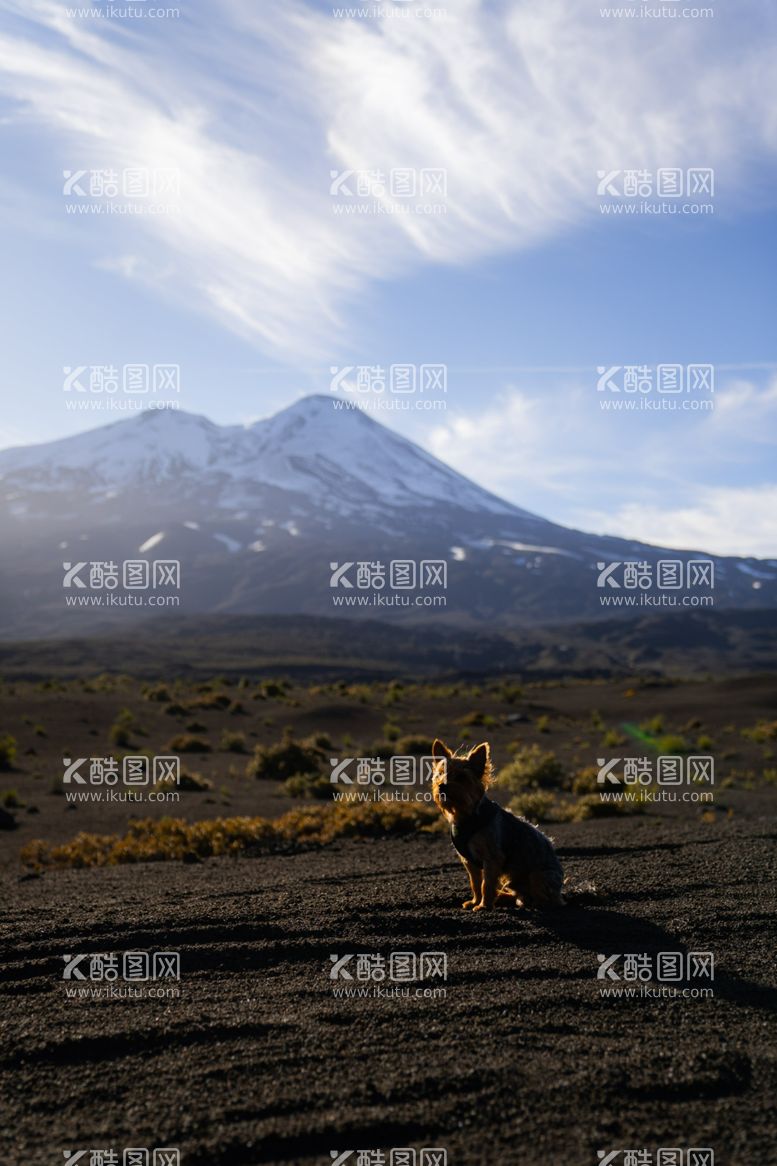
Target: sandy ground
{"points": [[522, 1061]]}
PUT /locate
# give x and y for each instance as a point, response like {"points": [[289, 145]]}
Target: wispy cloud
{"points": [[520, 103]]}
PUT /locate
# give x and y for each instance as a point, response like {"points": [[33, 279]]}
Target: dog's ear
{"points": [[440, 750], [479, 759]]}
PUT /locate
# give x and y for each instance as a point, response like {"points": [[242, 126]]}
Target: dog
{"points": [[508, 860]]}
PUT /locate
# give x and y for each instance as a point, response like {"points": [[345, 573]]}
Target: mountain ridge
{"points": [[256, 515]]}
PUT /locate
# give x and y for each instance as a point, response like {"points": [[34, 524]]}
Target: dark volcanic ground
{"points": [[523, 1062]]}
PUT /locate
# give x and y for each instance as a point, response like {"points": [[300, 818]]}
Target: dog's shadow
{"points": [[604, 931]]}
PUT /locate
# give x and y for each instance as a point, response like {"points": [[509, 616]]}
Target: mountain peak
{"points": [[316, 409], [323, 449]]}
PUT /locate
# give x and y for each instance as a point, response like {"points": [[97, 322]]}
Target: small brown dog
{"points": [[507, 858]]}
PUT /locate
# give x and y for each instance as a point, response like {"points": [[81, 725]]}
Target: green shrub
{"points": [[761, 732], [537, 806], [531, 767], [585, 780], [8, 746], [157, 692], [272, 690], [477, 717], [612, 739], [122, 728], [308, 786], [186, 743], [232, 742], [413, 746], [592, 806], [672, 743], [212, 700], [174, 839], [194, 782], [288, 758]]}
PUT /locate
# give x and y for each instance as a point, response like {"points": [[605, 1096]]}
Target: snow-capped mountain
{"points": [[258, 515], [339, 460]]}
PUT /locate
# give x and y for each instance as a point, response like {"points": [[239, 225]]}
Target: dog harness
{"points": [[462, 832]]}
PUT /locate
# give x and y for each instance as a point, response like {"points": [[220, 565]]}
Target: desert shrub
{"points": [[476, 717], [173, 839], [441, 691], [394, 693], [415, 746], [272, 690], [175, 710], [592, 806], [543, 723], [194, 782], [672, 743], [196, 727], [585, 780], [531, 767], [212, 700], [653, 726], [237, 709], [391, 731], [120, 732], [320, 740], [40, 731], [538, 806], [186, 743], [410, 745], [308, 786], [612, 739], [232, 742], [287, 758], [156, 692], [8, 746], [382, 749], [509, 692], [10, 798], [704, 743], [761, 732]]}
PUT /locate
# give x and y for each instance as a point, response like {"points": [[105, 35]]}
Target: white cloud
{"points": [[549, 453], [723, 520], [520, 102]]}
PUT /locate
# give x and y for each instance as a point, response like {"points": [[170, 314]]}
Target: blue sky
{"points": [[256, 287]]}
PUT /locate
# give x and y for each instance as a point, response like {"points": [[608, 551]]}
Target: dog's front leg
{"points": [[488, 887], [474, 884]]}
